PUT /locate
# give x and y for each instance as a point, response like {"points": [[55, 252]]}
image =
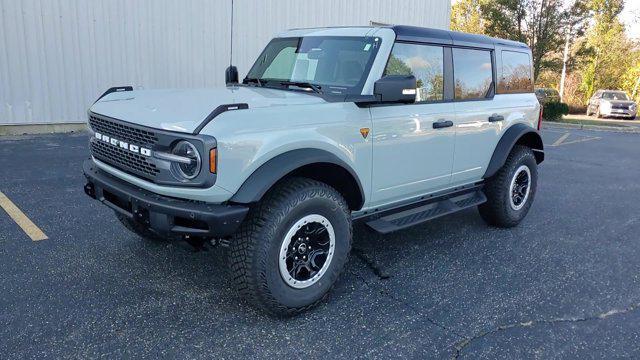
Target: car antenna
{"points": [[231, 75]]}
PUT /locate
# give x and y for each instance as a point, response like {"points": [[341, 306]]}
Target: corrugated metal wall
{"points": [[57, 56]]}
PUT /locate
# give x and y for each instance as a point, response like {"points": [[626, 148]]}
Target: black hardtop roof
{"points": [[437, 36]]}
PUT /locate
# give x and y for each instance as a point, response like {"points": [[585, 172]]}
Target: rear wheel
{"points": [[292, 247], [510, 192]]}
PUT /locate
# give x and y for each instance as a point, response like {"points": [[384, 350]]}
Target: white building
{"points": [[57, 56]]}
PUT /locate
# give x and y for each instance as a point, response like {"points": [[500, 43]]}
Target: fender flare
{"points": [[518, 133], [114, 89], [269, 173]]}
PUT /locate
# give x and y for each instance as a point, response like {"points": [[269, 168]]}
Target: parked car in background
{"points": [[612, 103], [547, 95]]}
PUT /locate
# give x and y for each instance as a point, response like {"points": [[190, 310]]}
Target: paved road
{"points": [[563, 284]]}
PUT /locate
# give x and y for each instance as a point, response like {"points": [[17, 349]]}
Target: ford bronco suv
{"points": [[387, 126]]}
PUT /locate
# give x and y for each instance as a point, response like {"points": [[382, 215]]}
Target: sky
{"points": [[630, 16]]}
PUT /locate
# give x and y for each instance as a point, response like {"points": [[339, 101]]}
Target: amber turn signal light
{"points": [[213, 160]]}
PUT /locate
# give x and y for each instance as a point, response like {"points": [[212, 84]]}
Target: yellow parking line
{"points": [[21, 219]]}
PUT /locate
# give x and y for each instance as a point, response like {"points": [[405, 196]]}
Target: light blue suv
{"points": [[388, 126]]}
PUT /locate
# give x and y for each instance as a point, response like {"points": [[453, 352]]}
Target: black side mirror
{"points": [[396, 88], [231, 75]]}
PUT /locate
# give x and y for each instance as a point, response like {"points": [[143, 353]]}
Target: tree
{"points": [[607, 48], [538, 23], [396, 66], [466, 16]]}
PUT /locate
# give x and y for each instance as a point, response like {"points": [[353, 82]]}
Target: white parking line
{"points": [[561, 139], [21, 219]]}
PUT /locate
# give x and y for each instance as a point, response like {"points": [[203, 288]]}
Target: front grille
{"points": [[123, 159], [141, 161], [620, 106], [120, 131], [115, 156]]}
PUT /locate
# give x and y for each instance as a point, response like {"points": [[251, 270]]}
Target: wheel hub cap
{"points": [[520, 187], [306, 251]]}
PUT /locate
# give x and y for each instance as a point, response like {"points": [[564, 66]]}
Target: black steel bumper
{"points": [[164, 215]]}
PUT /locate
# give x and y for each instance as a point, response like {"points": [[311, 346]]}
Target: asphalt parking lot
{"points": [[563, 284]]}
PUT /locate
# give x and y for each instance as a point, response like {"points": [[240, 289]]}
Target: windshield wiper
{"points": [[302, 84], [253, 80]]}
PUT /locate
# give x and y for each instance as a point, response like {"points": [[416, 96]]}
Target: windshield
{"points": [[615, 95], [336, 65]]}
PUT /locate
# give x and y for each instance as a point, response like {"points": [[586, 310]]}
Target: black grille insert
{"points": [[130, 134], [123, 159]]}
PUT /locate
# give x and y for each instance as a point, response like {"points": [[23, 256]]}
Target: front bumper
{"points": [[164, 215], [619, 112]]}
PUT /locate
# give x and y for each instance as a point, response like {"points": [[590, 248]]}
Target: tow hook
{"points": [[90, 190], [198, 243]]}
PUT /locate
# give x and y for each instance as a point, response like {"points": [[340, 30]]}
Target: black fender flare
{"points": [[269, 173], [114, 89], [516, 134]]}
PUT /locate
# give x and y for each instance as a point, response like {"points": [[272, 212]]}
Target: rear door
{"points": [[484, 111], [413, 144]]}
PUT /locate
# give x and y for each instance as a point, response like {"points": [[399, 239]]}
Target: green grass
{"points": [[587, 122]]}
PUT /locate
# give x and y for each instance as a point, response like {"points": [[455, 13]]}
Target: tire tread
{"points": [[495, 211], [263, 218]]}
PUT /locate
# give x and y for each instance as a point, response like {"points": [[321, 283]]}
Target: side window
{"points": [[472, 73], [425, 62], [516, 73]]}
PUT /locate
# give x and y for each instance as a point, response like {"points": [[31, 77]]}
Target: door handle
{"points": [[496, 117], [442, 124]]}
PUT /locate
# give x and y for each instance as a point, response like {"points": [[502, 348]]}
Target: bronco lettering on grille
{"points": [[122, 144]]}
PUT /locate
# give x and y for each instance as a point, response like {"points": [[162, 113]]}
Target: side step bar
{"points": [[406, 218]]}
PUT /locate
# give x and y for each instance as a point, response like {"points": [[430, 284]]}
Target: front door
{"points": [[413, 144]]}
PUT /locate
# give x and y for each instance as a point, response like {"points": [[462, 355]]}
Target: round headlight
{"points": [[186, 171]]}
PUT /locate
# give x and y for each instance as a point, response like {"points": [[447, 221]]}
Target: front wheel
{"points": [[292, 247], [510, 192]]}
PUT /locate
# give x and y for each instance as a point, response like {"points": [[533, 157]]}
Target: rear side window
{"points": [[425, 62], [516, 73], [472, 74]]}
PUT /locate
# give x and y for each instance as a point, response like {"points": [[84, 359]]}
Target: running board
{"points": [[430, 211]]}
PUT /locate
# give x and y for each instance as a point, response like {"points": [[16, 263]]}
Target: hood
{"points": [[184, 110]]}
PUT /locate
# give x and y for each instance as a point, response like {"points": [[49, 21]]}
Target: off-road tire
{"points": [[255, 248], [139, 229], [497, 211]]}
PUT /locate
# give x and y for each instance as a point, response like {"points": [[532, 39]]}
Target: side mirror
{"points": [[396, 88], [231, 75]]}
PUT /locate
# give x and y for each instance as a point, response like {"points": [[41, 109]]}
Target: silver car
{"points": [[612, 103]]}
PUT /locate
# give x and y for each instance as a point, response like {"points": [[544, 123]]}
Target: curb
{"points": [[626, 129], [38, 129]]}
